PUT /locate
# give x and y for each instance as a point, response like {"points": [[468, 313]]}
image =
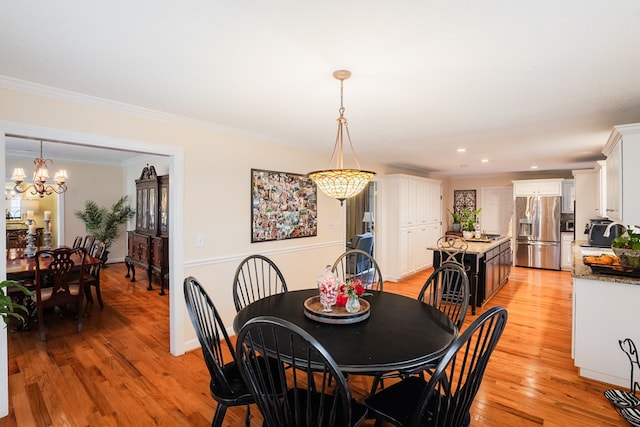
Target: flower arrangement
{"points": [[353, 288]]}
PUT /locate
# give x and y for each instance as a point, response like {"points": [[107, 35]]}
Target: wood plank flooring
{"points": [[119, 372]]}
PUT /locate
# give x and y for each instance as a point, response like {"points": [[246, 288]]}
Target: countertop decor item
{"points": [[627, 248]]}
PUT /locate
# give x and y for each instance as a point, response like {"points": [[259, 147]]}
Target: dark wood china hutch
{"points": [[148, 244]]}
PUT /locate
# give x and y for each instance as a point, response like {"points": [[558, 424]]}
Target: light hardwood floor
{"points": [[119, 372]]}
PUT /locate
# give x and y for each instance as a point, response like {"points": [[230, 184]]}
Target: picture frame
{"points": [[283, 206], [464, 200]]}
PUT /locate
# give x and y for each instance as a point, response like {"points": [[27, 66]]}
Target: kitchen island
{"points": [[605, 310], [489, 265]]}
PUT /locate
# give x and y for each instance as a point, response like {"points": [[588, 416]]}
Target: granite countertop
{"points": [[582, 271], [479, 248]]}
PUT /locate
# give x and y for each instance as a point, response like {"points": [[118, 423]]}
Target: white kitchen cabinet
{"points": [[568, 195], [537, 187], [603, 313], [587, 191], [601, 196], [622, 174], [412, 221], [613, 205], [567, 251]]}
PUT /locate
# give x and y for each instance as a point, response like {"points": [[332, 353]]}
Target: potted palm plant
{"points": [[103, 223]]}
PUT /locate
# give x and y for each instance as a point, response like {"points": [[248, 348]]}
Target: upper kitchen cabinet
{"points": [[587, 191], [537, 187], [622, 174], [568, 195]]}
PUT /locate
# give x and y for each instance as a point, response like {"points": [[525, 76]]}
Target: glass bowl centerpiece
{"points": [[627, 248], [329, 286]]}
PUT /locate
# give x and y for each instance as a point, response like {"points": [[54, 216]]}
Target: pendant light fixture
{"points": [[341, 183], [40, 177]]}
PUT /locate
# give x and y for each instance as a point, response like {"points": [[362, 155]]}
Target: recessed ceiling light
{"points": [[461, 150], [534, 167], [485, 160]]}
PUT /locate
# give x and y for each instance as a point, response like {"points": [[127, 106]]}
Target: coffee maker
{"points": [[597, 228]]}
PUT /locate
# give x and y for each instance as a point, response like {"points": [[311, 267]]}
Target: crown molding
{"points": [[120, 107]]}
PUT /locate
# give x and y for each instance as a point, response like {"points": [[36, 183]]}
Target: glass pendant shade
{"points": [[340, 183]]}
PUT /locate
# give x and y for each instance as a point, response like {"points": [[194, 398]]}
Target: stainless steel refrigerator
{"points": [[538, 240]]}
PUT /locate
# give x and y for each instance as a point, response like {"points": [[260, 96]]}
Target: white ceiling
{"points": [[518, 83]]}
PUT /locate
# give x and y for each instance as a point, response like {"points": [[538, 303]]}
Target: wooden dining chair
{"points": [[92, 273], [226, 385], [305, 366], [77, 242], [358, 264], [446, 289], [59, 282], [256, 277], [446, 398], [87, 243]]}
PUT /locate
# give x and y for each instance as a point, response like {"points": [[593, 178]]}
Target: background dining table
{"points": [[24, 268], [400, 333]]}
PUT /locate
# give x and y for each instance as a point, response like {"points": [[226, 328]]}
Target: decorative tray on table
{"points": [[614, 268], [337, 315]]}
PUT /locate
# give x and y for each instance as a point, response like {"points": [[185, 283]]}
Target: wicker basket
{"points": [[628, 257]]}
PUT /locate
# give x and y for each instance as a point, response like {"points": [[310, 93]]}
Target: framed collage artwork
{"points": [[283, 206]]}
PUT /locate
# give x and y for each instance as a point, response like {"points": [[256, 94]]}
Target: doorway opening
{"points": [[361, 215]]}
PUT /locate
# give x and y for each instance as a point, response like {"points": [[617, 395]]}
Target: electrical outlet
{"points": [[200, 240]]}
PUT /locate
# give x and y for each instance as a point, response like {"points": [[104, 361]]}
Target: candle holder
{"points": [[47, 234], [30, 250]]}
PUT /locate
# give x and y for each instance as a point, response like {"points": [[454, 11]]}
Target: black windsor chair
{"points": [[358, 264], [227, 386], [256, 277], [444, 400], [447, 289], [305, 367]]}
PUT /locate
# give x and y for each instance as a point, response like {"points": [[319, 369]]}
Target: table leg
{"points": [[475, 293]]}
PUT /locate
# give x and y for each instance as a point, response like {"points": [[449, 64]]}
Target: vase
{"points": [[456, 227], [353, 304], [329, 286], [467, 234]]}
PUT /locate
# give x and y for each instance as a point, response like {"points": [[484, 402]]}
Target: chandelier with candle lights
{"points": [[40, 176]]}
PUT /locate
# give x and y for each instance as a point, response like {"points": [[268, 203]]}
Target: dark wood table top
{"points": [[20, 267], [400, 333]]}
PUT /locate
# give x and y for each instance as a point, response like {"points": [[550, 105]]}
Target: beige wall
{"points": [[216, 189]]}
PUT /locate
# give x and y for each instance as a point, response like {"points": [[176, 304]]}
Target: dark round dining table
{"points": [[400, 333]]}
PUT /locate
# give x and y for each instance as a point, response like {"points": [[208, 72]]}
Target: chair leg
{"points": [[80, 314], [221, 410], [247, 421], [99, 295], [41, 323]]}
